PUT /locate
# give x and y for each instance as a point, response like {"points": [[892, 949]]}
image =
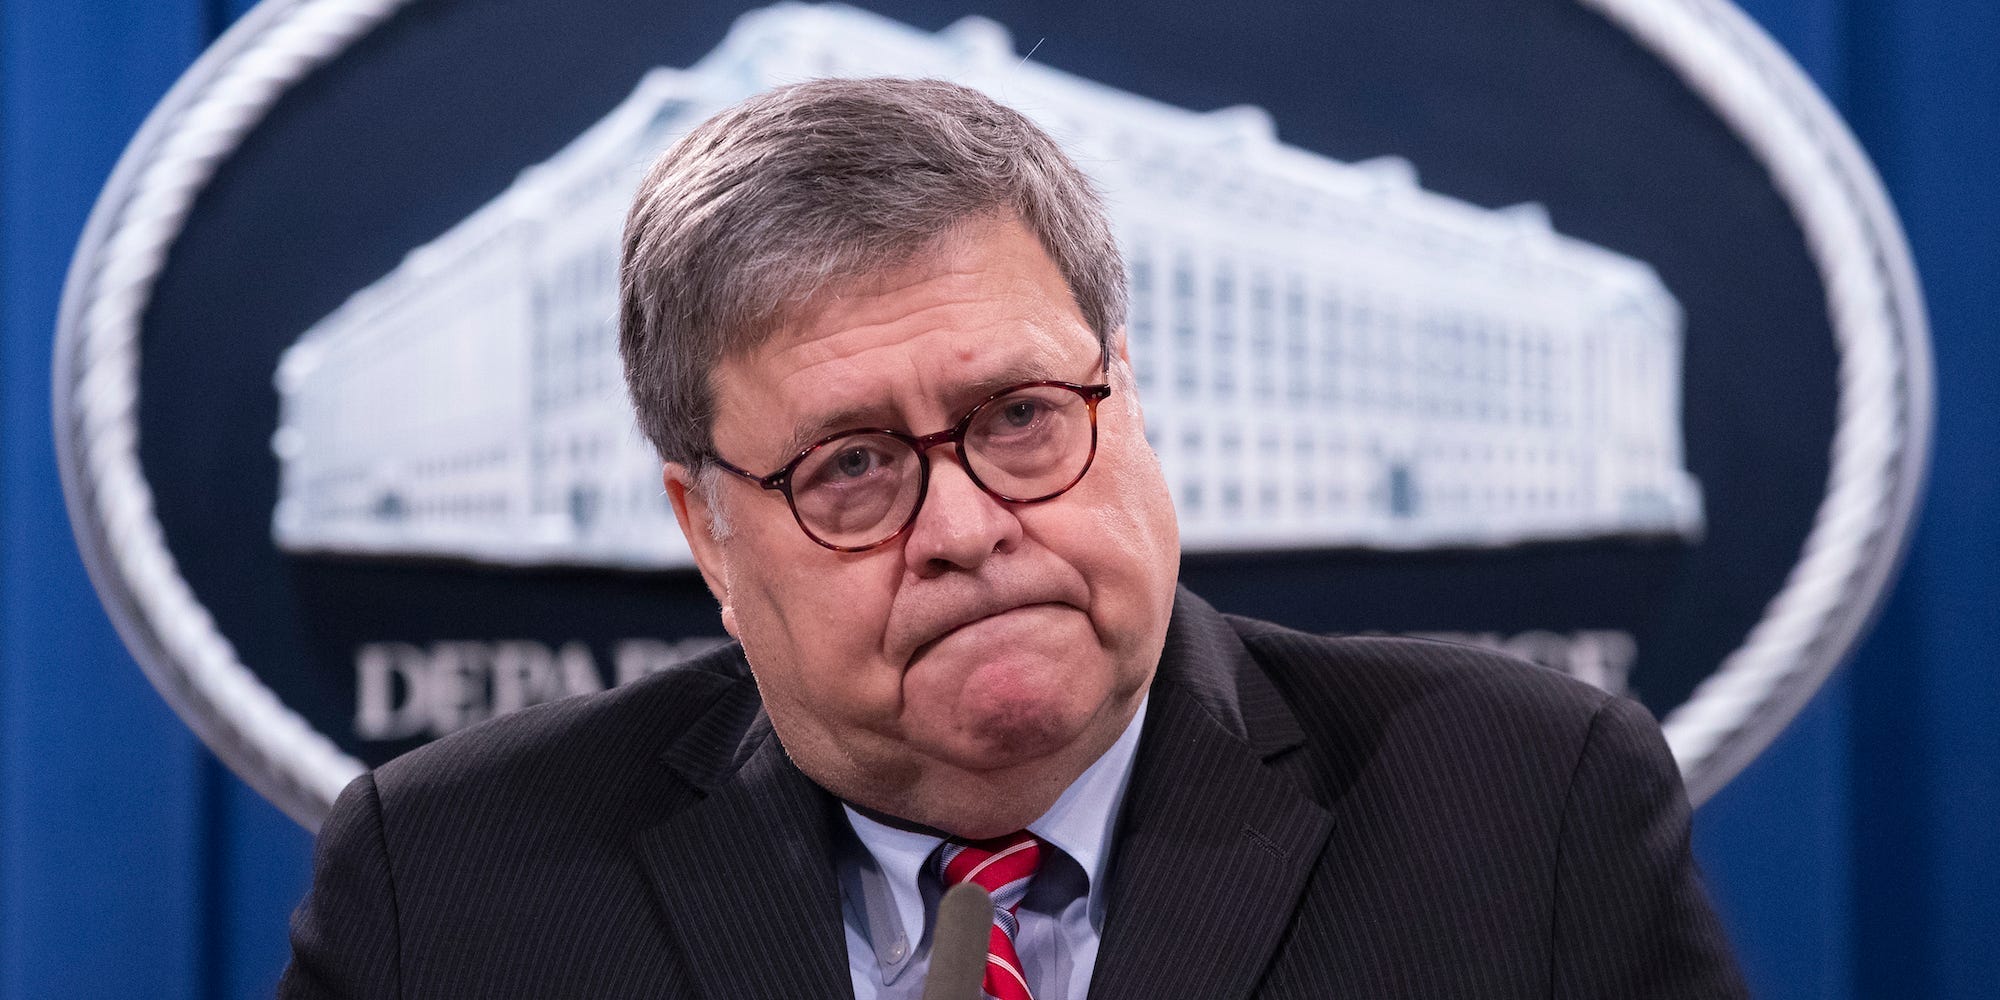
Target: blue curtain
{"points": [[1856, 858]]}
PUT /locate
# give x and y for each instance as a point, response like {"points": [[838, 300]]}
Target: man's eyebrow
{"points": [[962, 397], [829, 424]]}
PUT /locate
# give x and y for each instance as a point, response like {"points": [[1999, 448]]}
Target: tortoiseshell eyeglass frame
{"points": [[781, 480]]}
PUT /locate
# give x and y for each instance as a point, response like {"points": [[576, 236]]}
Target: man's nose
{"points": [[960, 525]]}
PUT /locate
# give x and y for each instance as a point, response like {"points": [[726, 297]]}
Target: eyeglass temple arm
{"points": [[774, 481]]}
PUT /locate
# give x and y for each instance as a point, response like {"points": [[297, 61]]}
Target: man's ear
{"points": [[691, 510], [1120, 347]]}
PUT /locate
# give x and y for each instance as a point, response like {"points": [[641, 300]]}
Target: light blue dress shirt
{"points": [[888, 901]]}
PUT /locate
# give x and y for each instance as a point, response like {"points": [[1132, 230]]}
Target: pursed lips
{"points": [[973, 614]]}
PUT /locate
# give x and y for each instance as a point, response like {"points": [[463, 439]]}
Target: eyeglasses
{"points": [[862, 488]]}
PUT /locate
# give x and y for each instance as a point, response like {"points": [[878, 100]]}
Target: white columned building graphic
{"points": [[1330, 356]]}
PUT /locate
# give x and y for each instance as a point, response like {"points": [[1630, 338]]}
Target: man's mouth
{"points": [[973, 617]]}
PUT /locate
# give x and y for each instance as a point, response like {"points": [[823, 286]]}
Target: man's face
{"points": [[990, 639]]}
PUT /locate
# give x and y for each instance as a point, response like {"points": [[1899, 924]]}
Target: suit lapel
{"points": [[747, 881], [1213, 847]]}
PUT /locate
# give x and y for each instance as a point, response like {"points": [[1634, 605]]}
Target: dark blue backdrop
{"points": [[1857, 858]]}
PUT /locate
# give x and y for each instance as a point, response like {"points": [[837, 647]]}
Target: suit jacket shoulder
{"points": [[1448, 712], [502, 860], [1494, 828]]}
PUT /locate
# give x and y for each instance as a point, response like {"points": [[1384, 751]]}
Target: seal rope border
{"points": [[1830, 595], [201, 121], [1861, 528]]}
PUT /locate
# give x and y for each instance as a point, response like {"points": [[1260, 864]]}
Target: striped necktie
{"points": [[1003, 867]]}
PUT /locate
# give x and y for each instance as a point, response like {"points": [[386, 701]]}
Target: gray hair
{"points": [[780, 198]]}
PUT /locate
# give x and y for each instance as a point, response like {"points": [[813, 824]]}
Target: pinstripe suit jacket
{"points": [[1307, 817]]}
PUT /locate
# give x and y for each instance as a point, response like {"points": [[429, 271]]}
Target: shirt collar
{"points": [[1079, 824]]}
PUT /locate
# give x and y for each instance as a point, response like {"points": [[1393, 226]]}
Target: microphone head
{"points": [[959, 943]]}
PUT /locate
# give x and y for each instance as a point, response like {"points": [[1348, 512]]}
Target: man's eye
{"points": [[1021, 413], [854, 462]]}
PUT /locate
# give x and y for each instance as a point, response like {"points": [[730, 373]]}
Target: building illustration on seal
{"points": [[1330, 355]]}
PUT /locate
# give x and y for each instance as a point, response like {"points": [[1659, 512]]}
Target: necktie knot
{"points": [[1003, 867]]}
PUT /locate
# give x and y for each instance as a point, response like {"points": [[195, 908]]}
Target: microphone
{"points": [[959, 943]]}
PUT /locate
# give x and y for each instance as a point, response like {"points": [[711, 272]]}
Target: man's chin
{"points": [[1008, 693], [997, 735], [1013, 744]]}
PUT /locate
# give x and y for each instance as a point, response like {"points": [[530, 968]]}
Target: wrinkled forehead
{"points": [[811, 287], [990, 256]]}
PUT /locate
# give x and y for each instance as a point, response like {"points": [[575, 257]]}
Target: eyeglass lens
{"points": [[861, 488]]}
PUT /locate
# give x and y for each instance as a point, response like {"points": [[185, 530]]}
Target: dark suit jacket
{"points": [[1307, 817]]}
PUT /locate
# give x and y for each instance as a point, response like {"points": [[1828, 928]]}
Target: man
{"points": [[875, 329]]}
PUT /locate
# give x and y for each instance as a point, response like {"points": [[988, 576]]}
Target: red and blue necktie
{"points": [[1003, 867]]}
